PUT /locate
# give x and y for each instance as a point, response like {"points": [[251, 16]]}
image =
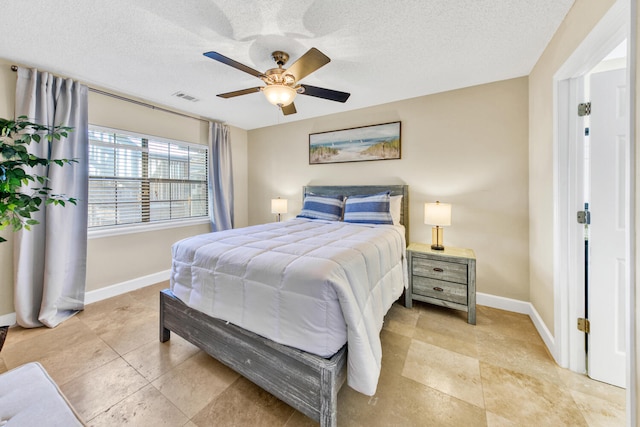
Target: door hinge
{"points": [[584, 217], [584, 325], [584, 109]]}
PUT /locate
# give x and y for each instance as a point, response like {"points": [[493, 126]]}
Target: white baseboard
{"points": [[107, 292], [503, 303], [522, 307], [8, 319], [546, 336], [128, 286]]}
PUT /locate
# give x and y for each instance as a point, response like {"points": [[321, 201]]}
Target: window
{"points": [[139, 179]]}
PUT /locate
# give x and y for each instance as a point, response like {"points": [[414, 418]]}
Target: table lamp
{"points": [[278, 207], [439, 215]]}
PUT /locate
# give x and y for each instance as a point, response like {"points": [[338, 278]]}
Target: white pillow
{"points": [[395, 207]]}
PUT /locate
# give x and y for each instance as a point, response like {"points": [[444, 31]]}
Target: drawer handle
{"points": [[438, 289], [438, 269]]}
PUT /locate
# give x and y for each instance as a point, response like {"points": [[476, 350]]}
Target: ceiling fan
{"points": [[282, 85]]}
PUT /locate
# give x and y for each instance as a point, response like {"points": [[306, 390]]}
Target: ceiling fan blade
{"points": [[239, 92], [289, 109], [320, 92], [235, 64], [307, 64]]}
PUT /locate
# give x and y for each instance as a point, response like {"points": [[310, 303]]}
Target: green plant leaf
{"points": [[17, 201]]}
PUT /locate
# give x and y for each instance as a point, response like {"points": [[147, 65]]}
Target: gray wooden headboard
{"points": [[356, 190]]}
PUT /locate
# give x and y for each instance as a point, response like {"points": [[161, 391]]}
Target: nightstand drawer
{"points": [[440, 270], [446, 291]]}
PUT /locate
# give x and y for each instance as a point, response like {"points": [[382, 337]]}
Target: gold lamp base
{"points": [[437, 238]]}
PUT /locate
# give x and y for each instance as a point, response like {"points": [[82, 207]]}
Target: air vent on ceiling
{"points": [[186, 97]]}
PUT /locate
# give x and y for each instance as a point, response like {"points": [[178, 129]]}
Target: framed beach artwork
{"points": [[376, 142]]}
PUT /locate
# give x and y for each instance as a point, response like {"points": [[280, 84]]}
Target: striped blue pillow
{"points": [[322, 207], [368, 209]]}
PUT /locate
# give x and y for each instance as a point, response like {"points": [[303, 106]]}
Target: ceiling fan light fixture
{"points": [[279, 95], [282, 85]]}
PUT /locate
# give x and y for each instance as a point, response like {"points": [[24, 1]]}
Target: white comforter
{"points": [[309, 284]]}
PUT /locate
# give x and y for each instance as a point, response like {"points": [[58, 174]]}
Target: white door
{"points": [[608, 231]]}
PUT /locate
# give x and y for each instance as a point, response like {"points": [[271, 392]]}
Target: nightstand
{"points": [[446, 278]]}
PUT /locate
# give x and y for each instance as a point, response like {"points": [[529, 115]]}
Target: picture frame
{"points": [[359, 144]]}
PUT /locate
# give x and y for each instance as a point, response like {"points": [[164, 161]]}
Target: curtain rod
{"points": [[133, 101]]}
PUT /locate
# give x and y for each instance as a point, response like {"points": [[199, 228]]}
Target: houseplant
{"points": [[22, 189], [17, 205]]}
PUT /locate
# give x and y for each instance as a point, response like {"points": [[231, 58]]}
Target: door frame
{"points": [[568, 277]]}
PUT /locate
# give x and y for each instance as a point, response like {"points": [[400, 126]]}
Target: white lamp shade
{"points": [[278, 206], [279, 94], [437, 214]]}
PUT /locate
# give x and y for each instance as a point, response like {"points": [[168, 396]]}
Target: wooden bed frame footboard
{"points": [[307, 382]]}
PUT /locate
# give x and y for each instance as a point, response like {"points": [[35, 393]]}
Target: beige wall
{"points": [[466, 147], [580, 20], [110, 258]]}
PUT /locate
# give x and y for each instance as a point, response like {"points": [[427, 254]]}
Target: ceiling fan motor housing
{"points": [[278, 76]]}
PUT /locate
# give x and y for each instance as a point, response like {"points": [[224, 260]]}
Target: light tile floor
{"points": [[437, 371]]}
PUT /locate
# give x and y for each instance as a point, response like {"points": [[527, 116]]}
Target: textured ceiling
{"points": [[380, 50]]}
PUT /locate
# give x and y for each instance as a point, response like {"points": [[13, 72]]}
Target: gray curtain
{"points": [[220, 178], [50, 260]]}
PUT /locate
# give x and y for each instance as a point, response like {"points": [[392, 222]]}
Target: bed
{"points": [[307, 380]]}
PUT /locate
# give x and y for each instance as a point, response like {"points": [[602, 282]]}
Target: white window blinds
{"points": [[137, 179]]}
